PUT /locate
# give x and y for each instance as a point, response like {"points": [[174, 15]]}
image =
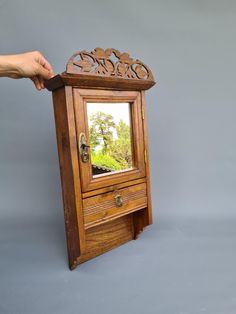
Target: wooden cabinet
{"points": [[99, 107]]}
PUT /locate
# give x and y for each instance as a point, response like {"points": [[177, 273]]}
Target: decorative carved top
{"points": [[109, 63]]}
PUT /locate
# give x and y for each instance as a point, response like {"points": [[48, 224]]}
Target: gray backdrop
{"points": [[185, 262]]}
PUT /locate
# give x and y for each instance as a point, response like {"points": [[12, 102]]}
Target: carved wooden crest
{"points": [[109, 63]]}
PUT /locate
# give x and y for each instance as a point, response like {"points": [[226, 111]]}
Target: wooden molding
{"points": [[101, 68]]}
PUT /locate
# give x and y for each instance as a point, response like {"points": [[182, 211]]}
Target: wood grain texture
{"points": [[145, 137], [88, 81], [103, 68], [106, 237], [81, 97], [108, 62], [114, 187], [101, 208], [69, 170]]}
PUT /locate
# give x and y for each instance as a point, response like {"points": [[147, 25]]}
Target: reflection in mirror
{"points": [[109, 137]]}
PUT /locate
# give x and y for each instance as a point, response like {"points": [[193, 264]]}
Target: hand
{"points": [[31, 65]]}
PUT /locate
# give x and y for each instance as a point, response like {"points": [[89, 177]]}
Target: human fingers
{"points": [[44, 73], [41, 81], [41, 60], [46, 65], [36, 82]]}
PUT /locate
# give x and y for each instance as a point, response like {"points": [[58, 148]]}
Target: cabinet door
{"points": [[110, 137]]}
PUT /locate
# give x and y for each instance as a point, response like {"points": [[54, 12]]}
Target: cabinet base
{"points": [[103, 238]]}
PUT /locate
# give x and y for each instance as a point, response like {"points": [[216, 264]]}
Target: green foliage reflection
{"points": [[110, 143]]}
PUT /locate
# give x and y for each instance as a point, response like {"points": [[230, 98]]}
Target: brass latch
{"points": [[83, 147]]}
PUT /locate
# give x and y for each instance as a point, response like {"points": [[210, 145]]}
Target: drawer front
{"points": [[104, 207]]}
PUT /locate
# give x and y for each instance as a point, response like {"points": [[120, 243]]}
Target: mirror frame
{"points": [[84, 96]]}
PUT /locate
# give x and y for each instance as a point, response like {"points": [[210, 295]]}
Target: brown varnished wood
{"points": [[145, 137], [143, 217], [81, 97], [108, 62], [113, 187], [69, 170], [106, 237], [98, 69], [88, 81], [140, 221], [95, 222], [102, 208]]}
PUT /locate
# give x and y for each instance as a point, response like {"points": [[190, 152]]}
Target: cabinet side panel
{"points": [[68, 159], [145, 133]]}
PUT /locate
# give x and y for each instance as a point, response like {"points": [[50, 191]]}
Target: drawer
{"points": [[111, 205]]}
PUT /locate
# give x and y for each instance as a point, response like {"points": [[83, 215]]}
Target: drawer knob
{"points": [[118, 200]]}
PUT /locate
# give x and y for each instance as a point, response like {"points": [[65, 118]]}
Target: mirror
{"points": [[110, 137]]}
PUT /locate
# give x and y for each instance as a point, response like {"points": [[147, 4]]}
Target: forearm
{"points": [[8, 67]]}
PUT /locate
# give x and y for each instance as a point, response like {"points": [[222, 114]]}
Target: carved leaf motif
{"points": [[108, 52], [124, 57], [85, 64], [101, 70], [130, 74], [99, 53], [109, 65], [108, 62], [121, 69], [140, 72]]}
